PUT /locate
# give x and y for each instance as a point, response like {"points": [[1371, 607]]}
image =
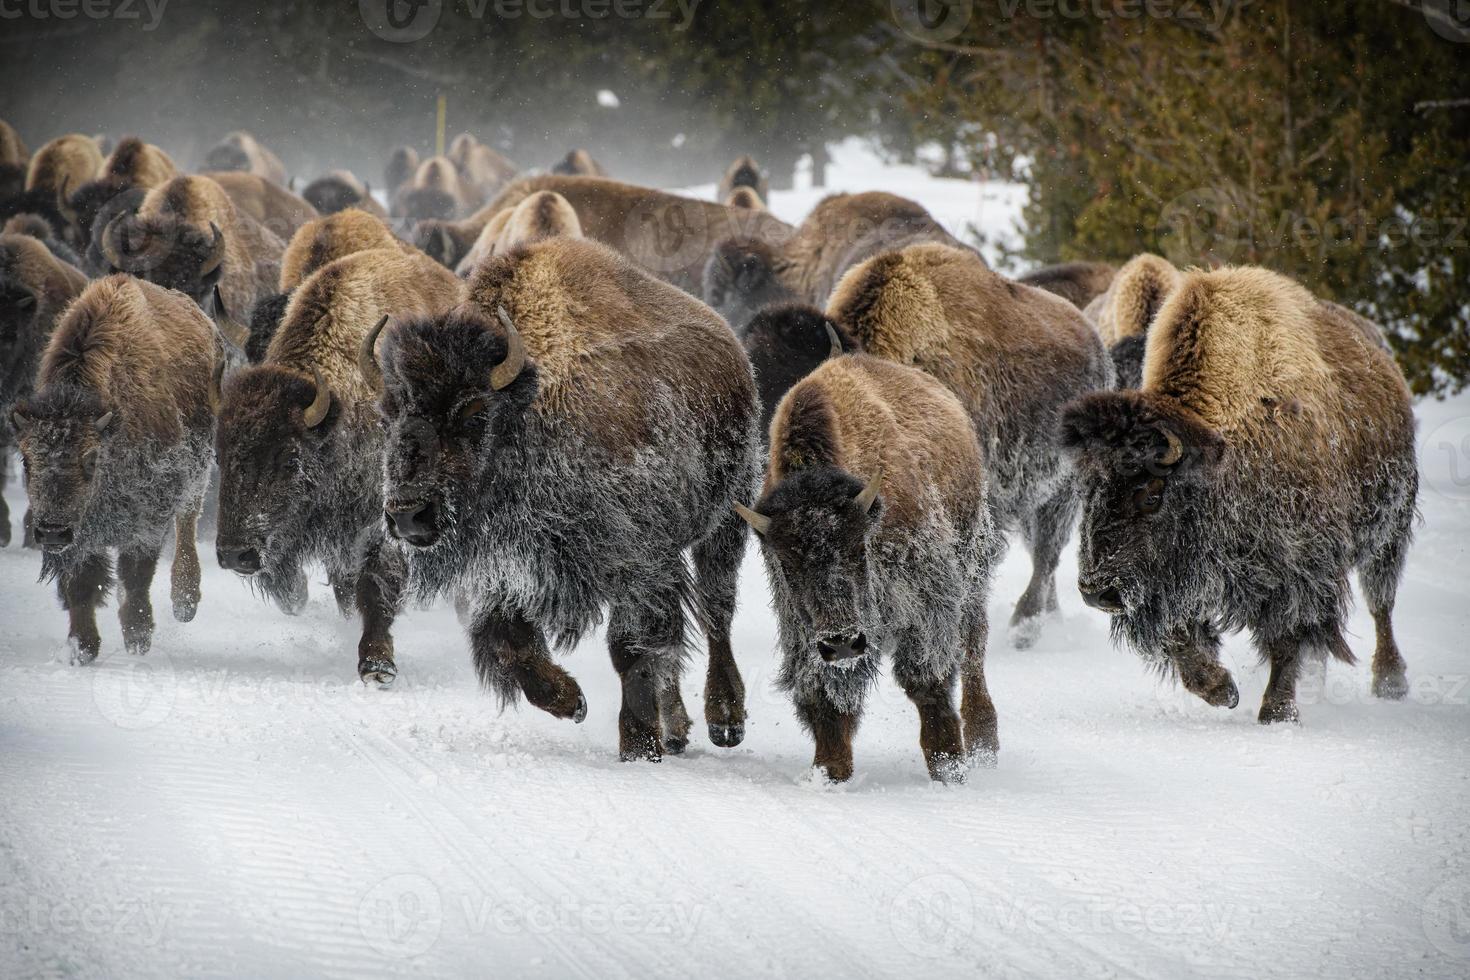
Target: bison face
{"points": [[168, 252], [274, 445], [453, 391], [815, 528], [64, 434], [741, 278], [787, 343], [1145, 469]]}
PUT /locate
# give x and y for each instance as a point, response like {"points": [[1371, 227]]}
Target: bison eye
{"points": [[1150, 497], [471, 408]]}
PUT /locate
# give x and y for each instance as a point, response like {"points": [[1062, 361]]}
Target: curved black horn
{"points": [[864, 500], [216, 251], [320, 403], [509, 369], [367, 360], [834, 340], [1175, 451]]}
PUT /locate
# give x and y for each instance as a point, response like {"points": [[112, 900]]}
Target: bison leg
{"points": [[939, 728], [832, 731], [1045, 532], [135, 611], [183, 576], [1379, 578], [1278, 704], [1196, 656], [674, 719], [512, 659], [982, 737], [717, 569], [4, 478], [378, 593], [645, 640], [82, 588], [344, 590]]}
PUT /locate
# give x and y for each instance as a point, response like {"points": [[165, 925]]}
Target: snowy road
{"points": [[236, 803]]}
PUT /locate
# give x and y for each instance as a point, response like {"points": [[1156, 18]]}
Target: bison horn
{"points": [[1175, 451], [216, 251], [216, 386], [760, 522], [62, 205], [445, 245], [235, 332], [102, 423], [110, 238], [26, 302], [509, 369], [834, 340], [864, 500], [367, 360], [322, 401]]}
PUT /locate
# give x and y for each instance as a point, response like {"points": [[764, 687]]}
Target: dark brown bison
{"points": [[15, 157], [402, 164], [300, 444], [484, 170], [132, 164], [545, 214], [340, 190], [747, 273], [115, 439], [556, 445], [578, 163], [242, 152], [35, 289], [1123, 312], [744, 172], [1079, 283], [1015, 355], [59, 167], [1268, 452], [879, 545]]}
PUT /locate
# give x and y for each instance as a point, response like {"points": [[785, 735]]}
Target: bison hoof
{"points": [[138, 644], [82, 653], [378, 670], [1023, 633], [1278, 712], [1391, 687], [579, 714], [727, 736], [4, 534], [185, 609], [947, 768], [676, 744], [641, 750]]}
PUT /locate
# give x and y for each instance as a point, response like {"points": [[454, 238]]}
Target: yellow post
{"points": [[439, 129]]}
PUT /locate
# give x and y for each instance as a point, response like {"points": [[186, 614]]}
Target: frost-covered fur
{"points": [[746, 273], [1014, 355], [116, 442], [35, 288], [905, 581], [578, 487], [293, 493], [1295, 465]]}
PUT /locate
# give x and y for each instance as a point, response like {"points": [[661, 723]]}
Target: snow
{"points": [[237, 803]]}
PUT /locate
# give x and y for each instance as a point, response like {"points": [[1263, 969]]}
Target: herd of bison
{"points": [[559, 401]]}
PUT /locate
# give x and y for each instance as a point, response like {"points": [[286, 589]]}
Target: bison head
{"points": [[167, 251], [64, 434], [331, 194], [815, 527], [1146, 468], [272, 442], [785, 344], [436, 240], [423, 203], [93, 199], [226, 157], [741, 278], [451, 388]]}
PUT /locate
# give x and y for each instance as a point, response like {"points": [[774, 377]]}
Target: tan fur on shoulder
{"points": [[485, 243], [268, 203], [139, 164], [148, 351], [333, 310], [325, 240], [745, 197], [1135, 297], [544, 214], [24, 259], [71, 160]]}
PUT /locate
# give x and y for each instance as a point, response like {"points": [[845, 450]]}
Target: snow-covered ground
{"points": [[236, 803]]}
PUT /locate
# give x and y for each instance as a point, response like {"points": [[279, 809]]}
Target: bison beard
{"points": [[544, 525]]}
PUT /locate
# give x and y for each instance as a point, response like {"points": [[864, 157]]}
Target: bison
{"points": [[744, 197], [744, 274], [132, 164], [544, 214], [239, 151], [35, 289], [744, 172], [578, 163], [188, 235], [271, 205], [37, 227], [437, 191], [339, 190], [556, 445], [300, 444], [15, 157], [1079, 283], [1123, 312], [1014, 355], [1268, 452], [878, 544], [402, 164], [116, 443], [62, 165], [484, 170]]}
